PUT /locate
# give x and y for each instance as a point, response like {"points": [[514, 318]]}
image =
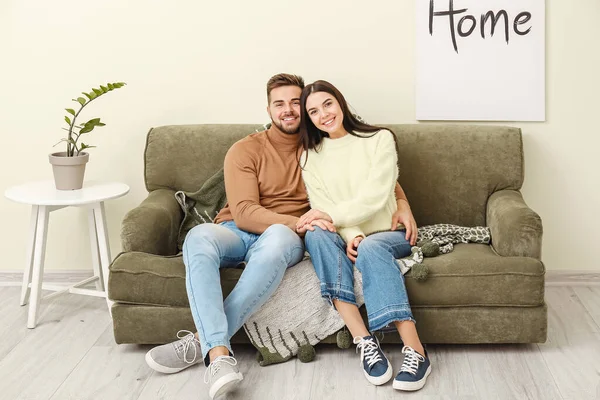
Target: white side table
{"points": [[45, 198]]}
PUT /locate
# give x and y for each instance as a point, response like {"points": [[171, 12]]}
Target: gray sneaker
{"points": [[222, 375], [173, 357]]}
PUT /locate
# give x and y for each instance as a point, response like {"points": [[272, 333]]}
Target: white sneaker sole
{"points": [[161, 368], [412, 386], [380, 380], [225, 384]]}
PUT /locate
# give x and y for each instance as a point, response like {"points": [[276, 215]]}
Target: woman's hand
{"points": [[311, 216], [404, 216], [352, 248]]}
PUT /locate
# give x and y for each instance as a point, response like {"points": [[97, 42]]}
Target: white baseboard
{"points": [[572, 278], [55, 276], [62, 276]]}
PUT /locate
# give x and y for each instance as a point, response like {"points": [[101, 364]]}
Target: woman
{"points": [[350, 171]]}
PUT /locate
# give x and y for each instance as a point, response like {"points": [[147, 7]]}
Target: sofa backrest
{"points": [[448, 171], [183, 157]]}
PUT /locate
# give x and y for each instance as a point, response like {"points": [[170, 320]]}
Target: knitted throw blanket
{"points": [[297, 316], [201, 206]]}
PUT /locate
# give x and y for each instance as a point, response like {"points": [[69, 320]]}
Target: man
{"points": [[266, 196]]}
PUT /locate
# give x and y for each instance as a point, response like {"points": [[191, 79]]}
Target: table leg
{"points": [[103, 245], [94, 246], [38, 264], [29, 264]]}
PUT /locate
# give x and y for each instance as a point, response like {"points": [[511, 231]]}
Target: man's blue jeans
{"points": [[385, 295], [209, 247]]}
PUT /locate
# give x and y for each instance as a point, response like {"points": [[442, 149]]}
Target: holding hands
{"points": [[312, 215], [313, 218]]}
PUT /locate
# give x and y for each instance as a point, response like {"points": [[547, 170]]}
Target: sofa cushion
{"points": [[471, 275], [142, 278], [474, 275]]}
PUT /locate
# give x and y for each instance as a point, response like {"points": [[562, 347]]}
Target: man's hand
{"points": [[311, 216], [405, 217], [321, 223], [352, 248]]}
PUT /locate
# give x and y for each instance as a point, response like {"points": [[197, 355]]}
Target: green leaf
{"points": [[70, 111], [87, 95], [81, 100], [110, 86], [93, 122], [93, 95], [85, 146], [68, 120], [98, 92], [104, 88], [87, 129]]}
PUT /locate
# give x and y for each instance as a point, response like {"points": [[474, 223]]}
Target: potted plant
{"points": [[69, 166]]}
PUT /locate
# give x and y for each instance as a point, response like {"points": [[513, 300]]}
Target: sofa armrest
{"points": [[153, 226], [516, 229]]}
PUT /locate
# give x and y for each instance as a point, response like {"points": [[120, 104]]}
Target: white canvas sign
{"points": [[480, 60]]}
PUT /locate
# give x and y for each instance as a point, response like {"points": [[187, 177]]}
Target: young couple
{"points": [[315, 150]]}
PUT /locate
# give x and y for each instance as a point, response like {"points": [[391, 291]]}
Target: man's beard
{"points": [[288, 131]]}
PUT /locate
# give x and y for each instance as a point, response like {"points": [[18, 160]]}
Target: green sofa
{"points": [[465, 175]]}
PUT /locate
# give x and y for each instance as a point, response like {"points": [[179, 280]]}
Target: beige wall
{"points": [[208, 62]]}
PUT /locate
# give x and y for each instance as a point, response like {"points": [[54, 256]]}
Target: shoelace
{"points": [[215, 366], [187, 339], [411, 360], [368, 350]]}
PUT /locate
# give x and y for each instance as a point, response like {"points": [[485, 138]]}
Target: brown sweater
{"points": [[263, 182]]}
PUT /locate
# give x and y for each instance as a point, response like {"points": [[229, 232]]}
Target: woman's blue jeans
{"points": [[384, 291]]}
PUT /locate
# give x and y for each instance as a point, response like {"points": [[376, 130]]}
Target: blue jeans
{"points": [[385, 294], [209, 247]]}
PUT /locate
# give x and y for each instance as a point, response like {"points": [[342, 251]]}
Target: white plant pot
{"points": [[68, 171]]}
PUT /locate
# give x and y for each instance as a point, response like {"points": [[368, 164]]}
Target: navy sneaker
{"points": [[376, 366], [414, 371]]}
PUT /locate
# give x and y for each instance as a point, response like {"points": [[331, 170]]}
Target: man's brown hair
{"points": [[283, 80]]}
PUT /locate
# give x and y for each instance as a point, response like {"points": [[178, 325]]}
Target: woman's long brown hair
{"points": [[310, 137]]}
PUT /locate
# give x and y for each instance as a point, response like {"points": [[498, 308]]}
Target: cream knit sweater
{"points": [[353, 179]]}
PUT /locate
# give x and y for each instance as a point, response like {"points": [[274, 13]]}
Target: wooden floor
{"points": [[72, 355]]}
